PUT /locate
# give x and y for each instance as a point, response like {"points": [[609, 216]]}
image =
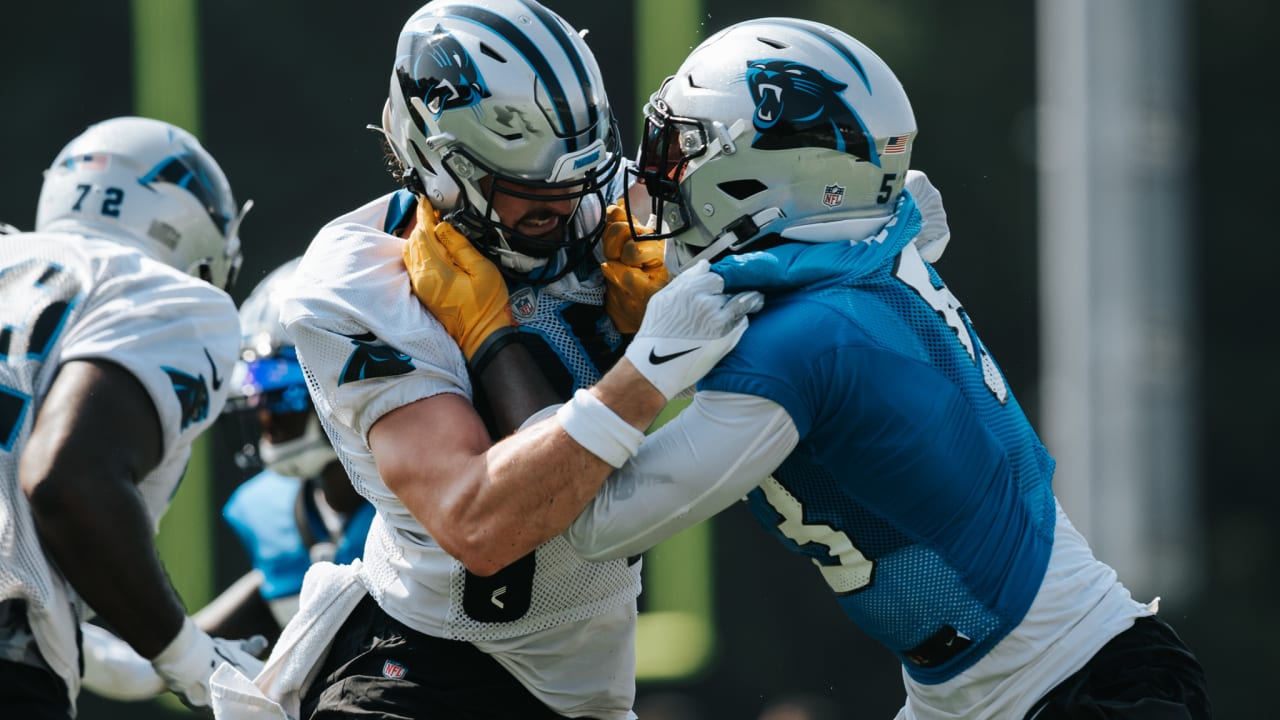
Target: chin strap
{"points": [[516, 261], [737, 235], [465, 221]]}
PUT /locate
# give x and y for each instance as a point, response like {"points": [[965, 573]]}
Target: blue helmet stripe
{"points": [[579, 68], [532, 55], [185, 172], [839, 48]]}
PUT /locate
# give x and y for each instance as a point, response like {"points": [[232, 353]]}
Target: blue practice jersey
{"points": [[263, 512], [918, 486]]}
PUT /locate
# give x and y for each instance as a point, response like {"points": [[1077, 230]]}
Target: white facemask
{"points": [[303, 457]]}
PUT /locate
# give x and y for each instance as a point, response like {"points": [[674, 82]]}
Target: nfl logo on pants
{"points": [[393, 670]]}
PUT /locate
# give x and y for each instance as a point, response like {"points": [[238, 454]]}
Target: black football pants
{"points": [[1144, 673], [380, 668]]}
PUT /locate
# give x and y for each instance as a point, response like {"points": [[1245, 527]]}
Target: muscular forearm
{"points": [[102, 543], [96, 434], [489, 506], [544, 454], [492, 507]]}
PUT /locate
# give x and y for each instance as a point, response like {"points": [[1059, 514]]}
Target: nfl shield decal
{"points": [[523, 304], [833, 195], [393, 670]]}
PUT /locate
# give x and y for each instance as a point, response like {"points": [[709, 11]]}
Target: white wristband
{"points": [[598, 429], [180, 644]]}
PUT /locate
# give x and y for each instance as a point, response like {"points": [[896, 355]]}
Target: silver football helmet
{"points": [[504, 97], [775, 125], [268, 380], [151, 185]]}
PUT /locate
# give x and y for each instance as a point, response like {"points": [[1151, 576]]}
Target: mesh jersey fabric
{"points": [[367, 347], [893, 409], [918, 486], [916, 523], [66, 297]]}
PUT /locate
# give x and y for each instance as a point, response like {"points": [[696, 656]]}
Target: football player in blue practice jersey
{"points": [[860, 414], [116, 340], [301, 508], [468, 602]]}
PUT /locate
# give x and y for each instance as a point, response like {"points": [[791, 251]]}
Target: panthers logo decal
{"points": [[193, 395], [373, 360], [445, 77], [800, 106]]}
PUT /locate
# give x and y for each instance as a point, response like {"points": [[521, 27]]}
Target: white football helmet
{"points": [[269, 379], [151, 185], [494, 93], [775, 125]]}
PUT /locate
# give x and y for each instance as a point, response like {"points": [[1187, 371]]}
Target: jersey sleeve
{"points": [[179, 337], [367, 344]]}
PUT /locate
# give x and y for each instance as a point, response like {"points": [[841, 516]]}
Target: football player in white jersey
{"points": [[299, 509], [476, 607], [860, 415], [115, 347]]}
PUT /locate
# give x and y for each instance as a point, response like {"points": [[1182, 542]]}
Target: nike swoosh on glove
{"points": [[688, 327], [189, 661], [633, 270]]}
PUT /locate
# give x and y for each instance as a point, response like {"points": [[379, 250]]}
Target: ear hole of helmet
{"points": [[742, 189]]}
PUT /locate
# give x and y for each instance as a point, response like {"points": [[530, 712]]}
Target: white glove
{"points": [[688, 327], [114, 670], [191, 658], [935, 234]]}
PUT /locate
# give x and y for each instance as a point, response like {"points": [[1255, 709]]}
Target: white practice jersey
{"points": [[563, 625], [69, 297]]}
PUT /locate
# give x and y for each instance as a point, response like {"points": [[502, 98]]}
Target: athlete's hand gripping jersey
{"points": [[368, 347], [67, 297]]}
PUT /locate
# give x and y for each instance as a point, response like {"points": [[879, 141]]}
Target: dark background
{"points": [[289, 86]]}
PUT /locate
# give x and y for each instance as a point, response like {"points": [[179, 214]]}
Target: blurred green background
{"points": [[280, 92]]}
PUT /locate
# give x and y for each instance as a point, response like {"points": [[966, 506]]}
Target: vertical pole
{"points": [[675, 636], [1115, 294], [166, 74]]}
